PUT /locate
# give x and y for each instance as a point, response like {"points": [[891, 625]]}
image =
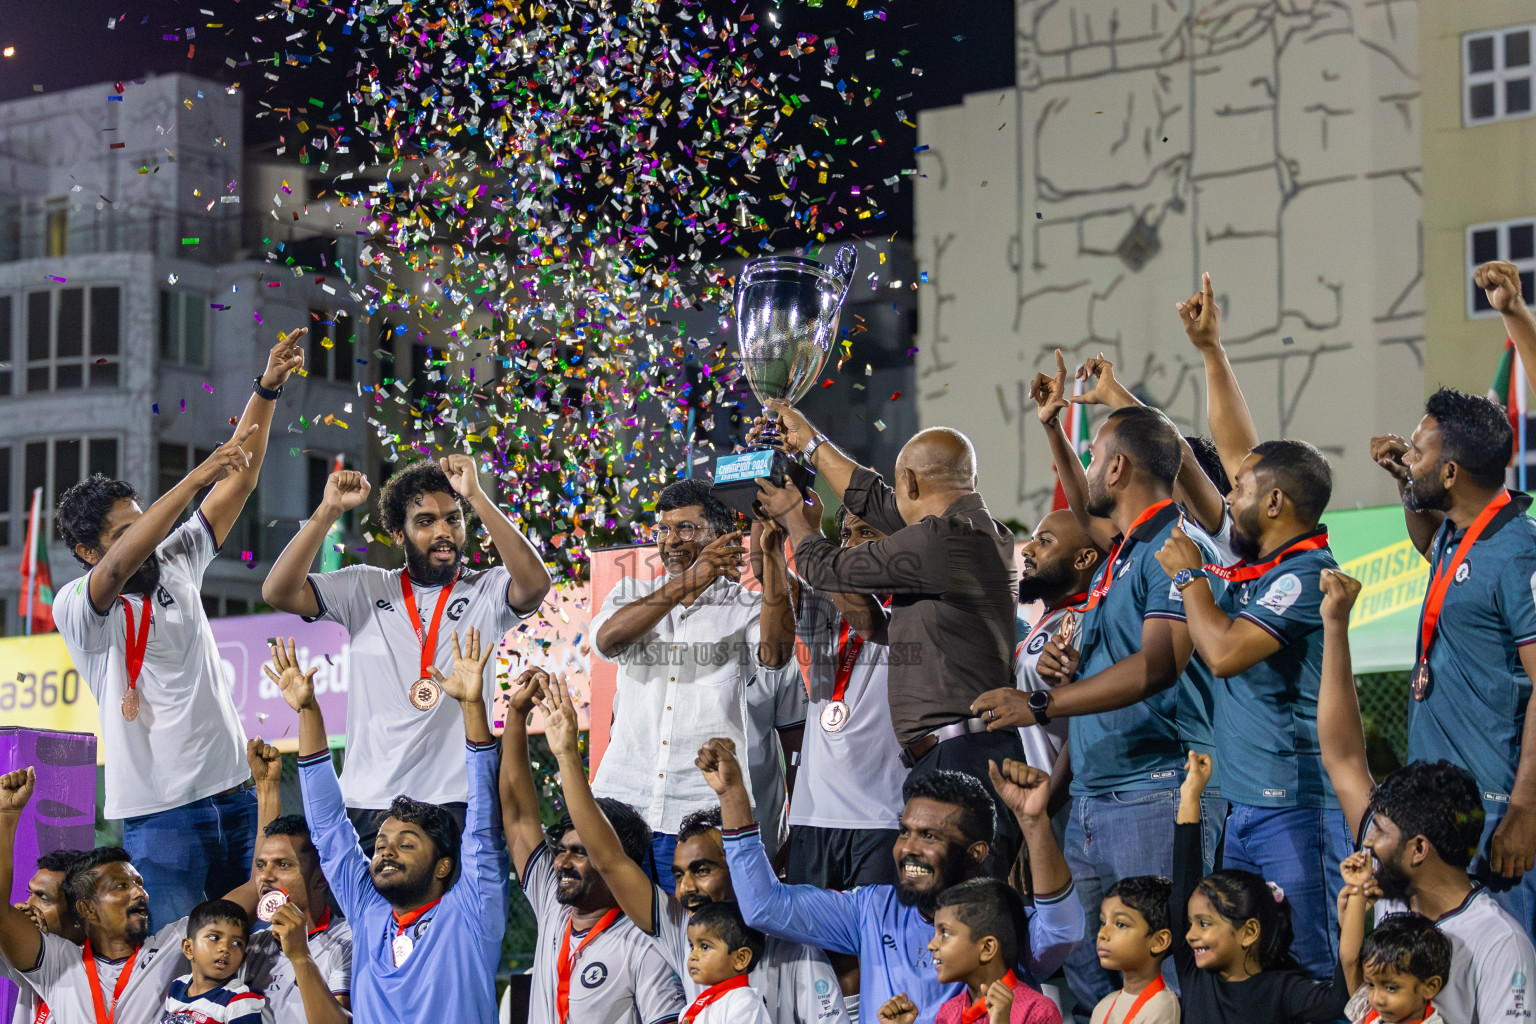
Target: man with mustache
{"points": [[126, 966], [401, 737], [592, 964], [136, 630], [429, 910], [49, 909], [1476, 655], [945, 838], [797, 983]]}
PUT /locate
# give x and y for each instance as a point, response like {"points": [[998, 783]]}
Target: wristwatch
{"points": [[1039, 706], [270, 394], [1184, 577], [808, 453]]}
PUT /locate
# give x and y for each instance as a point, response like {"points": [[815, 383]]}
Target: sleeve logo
{"points": [[1281, 594]]}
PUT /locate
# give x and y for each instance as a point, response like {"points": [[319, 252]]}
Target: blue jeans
{"points": [[1515, 895], [194, 852], [1213, 826], [1111, 837], [1299, 849], [663, 845]]}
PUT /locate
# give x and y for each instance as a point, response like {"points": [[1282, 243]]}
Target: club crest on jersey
{"points": [[1463, 572], [1036, 644], [594, 974]]}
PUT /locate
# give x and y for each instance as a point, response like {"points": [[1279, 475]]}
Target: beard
{"points": [[1392, 879], [1049, 583], [956, 869], [419, 563], [694, 900], [1245, 534], [146, 578], [1099, 504], [1423, 495], [575, 895], [401, 888]]}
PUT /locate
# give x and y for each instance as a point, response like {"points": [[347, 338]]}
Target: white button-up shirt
{"points": [[681, 684]]}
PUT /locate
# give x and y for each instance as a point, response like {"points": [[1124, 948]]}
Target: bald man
{"points": [[950, 570]]}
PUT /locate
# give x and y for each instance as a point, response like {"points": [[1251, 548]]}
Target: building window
{"points": [[1514, 241], [183, 327], [1496, 75], [58, 464], [332, 347], [176, 461], [5, 502], [57, 227], [73, 338], [7, 349]]}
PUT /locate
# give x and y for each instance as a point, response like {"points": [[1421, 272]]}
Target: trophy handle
{"points": [[844, 262]]}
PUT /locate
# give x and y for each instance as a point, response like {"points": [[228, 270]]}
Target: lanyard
{"points": [[977, 1010], [136, 644], [103, 1015], [1435, 599], [1372, 1016], [1098, 592], [1153, 988], [1242, 572], [42, 1013], [849, 644], [709, 995], [410, 917], [1052, 610], [568, 959], [428, 640]]}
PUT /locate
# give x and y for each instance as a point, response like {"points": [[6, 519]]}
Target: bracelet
{"points": [[262, 392]]}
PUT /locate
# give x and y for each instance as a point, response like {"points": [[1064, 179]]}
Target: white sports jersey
{"points": [[738, 1006], [392, 748], [796, 982], [28, 1002], [775, 700], [621, 977], [270, 974], [1492, 963], [60, 978], [187, 742], [851, 778], [1041, 742], [683, 683]]}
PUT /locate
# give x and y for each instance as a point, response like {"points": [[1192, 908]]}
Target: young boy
{"points": [[721, 950], [1397, 972], [217, 933], [976, 931], [1134, 939]]}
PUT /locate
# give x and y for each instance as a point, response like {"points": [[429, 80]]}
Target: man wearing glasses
{"points": [[698, 656]]}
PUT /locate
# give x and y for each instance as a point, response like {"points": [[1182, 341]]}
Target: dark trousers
{"points": [[367, 821], [841, 858], [969, 754], [192, 853]]}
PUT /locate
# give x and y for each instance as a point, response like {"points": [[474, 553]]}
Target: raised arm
{"points": [[1057, 924], [1049, 393], [776, 617], [529, 581], [286, 587], [266, 766], [519, 797], [1354, 902], [1339, 732], [321, 1005], [1500, 281], [627, 623], [112, 568], [20, 942], [222, 506], [1231, 423], [1387, 451], [1227, 646], [1512, 847], [796, 434], [632, 888]]}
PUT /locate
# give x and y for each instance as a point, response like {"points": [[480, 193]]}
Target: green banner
{"points": [[1372, 545]]}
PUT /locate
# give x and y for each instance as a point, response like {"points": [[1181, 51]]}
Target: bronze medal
{"points": [[268, 906], [1422, 682], [425, 694], [1068, 628], [131, 705], [834, 716]]}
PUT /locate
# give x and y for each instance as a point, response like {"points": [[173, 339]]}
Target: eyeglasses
{"points": [[682, 532]]}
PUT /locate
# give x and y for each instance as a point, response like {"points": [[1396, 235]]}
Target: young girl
{"points": [[1233, 936]]}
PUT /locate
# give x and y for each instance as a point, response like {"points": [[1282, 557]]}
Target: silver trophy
{"points": [[787, 312]]}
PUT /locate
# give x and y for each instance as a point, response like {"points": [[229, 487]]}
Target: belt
{"points": [[918, 749], [232, 790]]}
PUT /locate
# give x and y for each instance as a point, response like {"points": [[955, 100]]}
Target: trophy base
{"points": [[736, 476]]}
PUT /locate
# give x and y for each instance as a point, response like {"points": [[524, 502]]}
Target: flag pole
{"points": [[32, 527], [1520, 406]]}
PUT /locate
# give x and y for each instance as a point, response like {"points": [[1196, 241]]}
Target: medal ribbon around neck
{"points": [[1242, 572], [428, 639], [1097, 593], [104, 1015], [568, 959], [710, 995], [1434, 601]]}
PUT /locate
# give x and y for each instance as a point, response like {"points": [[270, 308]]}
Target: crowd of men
{"points": [[859, 790]]}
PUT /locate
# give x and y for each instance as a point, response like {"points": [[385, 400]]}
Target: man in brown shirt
{"points": [[949, 567]]}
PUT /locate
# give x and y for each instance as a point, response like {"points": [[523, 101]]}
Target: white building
{"points": [[1275, 145], [136, 306]]}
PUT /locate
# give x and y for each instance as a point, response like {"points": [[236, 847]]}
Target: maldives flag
{"points": [[36, 580], [1508, 390], [1077, 433]]}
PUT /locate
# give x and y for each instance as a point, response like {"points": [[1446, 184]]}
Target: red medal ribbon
{"points": [[410, 917], [1153, 988], [1097, 593], [1052, 610], [709, 995], [1242, 572], [104, 1015], [849, 644], [42, 1013], [978, 1010], [136, 644], [428, 640], [1435, 599], [568, 959]]}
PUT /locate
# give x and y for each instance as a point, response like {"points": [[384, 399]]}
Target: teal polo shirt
{"points": [[1474, 713]]}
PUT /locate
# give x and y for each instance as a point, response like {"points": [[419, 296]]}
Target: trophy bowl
{"points": [[787, 313]]}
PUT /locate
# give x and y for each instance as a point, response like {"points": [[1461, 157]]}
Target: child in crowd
{"points": [[1235, 964], [217, 933], [1134, 939], [977, 929], [1397, 972], [721, 950]]}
